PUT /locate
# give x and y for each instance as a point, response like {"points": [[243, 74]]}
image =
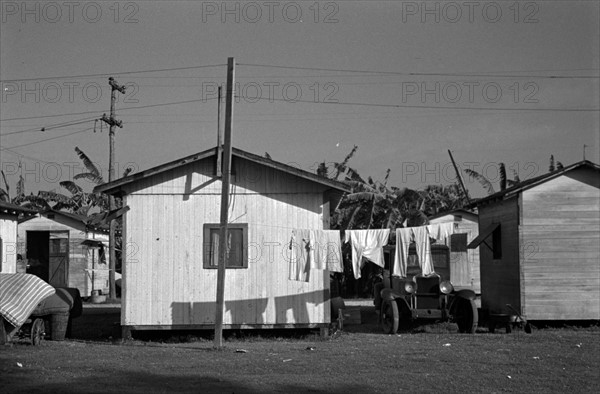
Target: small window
{"points": [[497, 243], [237, 245], [458, 242]]}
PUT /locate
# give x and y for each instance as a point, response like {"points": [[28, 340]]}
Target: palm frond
{"points": [[387, 177], [5, 183], [502, 173], [72, 187], [55, 197], [87, 162], [36, 202], [516, 176], [4, 195], [352, 220], [481, 179], [97, 179], [363, 196], [21, 186]]}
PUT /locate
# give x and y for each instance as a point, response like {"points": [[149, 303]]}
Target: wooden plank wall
{"points": [[500, 279], [464, 266], [165, 282], [560, 242], [80, 257], [8, 233]]}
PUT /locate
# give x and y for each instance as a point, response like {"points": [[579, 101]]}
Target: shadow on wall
{"points": [[291, 309]]}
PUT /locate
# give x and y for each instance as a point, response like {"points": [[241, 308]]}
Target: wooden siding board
{"points": [[561, 224], [500, 279], [8, 233]]}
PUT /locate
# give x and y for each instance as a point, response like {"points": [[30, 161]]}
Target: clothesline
{"points": [[368, 245]]}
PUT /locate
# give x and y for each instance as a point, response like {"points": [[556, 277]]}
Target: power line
{"points": [[422, 74], [429, 106], [20, 155], [111, 73], [51, 127], [48, 139], [121, 109]]}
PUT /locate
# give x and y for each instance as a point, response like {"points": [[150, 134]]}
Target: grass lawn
{"points": [[360, 360]]}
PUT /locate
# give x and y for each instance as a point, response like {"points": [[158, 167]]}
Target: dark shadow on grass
{"points": [[114, 381]]}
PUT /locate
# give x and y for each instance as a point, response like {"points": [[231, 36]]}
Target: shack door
{"points": [[58, 259]]}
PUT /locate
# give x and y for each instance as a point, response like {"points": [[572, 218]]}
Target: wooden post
{"points": [[460, 179], [219, 169], [224, 205]]}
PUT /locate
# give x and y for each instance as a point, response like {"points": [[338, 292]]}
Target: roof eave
{"points": [[117, 187]]}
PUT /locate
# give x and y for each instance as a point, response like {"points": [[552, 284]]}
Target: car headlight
{"points": [[446, 287], [410, 286]]}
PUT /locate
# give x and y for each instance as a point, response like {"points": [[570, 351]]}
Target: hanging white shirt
{"points": [[368, 244], [403, 238]]}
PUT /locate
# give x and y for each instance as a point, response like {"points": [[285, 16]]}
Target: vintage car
{"points": [[402, 301], [423, 297]]}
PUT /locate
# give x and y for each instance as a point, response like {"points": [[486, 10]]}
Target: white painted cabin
{"points": [[169, 271]]}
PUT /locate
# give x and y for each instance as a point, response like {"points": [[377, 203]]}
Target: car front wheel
{"points": [[390, 317], [465, 315]]}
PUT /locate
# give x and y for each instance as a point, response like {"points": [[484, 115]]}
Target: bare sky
{"points": [[501, 81]]}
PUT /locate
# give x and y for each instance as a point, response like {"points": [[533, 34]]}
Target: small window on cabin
{"points": [[458, 242], [237, 246], [497, 243]]}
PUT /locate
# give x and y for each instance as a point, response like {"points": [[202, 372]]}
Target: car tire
{"points": [[465, 315], [390, 317]]}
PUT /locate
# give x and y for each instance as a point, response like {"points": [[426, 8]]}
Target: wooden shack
{"points": [[9, 215], [169, 266], [464, 262], [53, 245], [540, 246]]}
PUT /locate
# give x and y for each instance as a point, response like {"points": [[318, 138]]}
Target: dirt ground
{"points": [[360, 359]]}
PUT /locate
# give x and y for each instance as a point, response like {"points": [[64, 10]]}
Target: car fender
{"points": [[465, 294], [389, 294]]}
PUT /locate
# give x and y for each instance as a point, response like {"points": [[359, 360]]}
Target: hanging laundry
{"points": [[367, 244], [328, 250], [421, 236], [441, 231], [404, 237], [301, 254]]}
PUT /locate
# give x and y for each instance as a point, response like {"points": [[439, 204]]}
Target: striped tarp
{"points": [[20, 294]]}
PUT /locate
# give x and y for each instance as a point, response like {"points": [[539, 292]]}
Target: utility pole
{"points": [[112, 122], [219, 171], [225, 179]]}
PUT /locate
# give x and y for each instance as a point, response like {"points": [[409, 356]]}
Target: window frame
{"points": [[497, 243], [206, 255]]}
